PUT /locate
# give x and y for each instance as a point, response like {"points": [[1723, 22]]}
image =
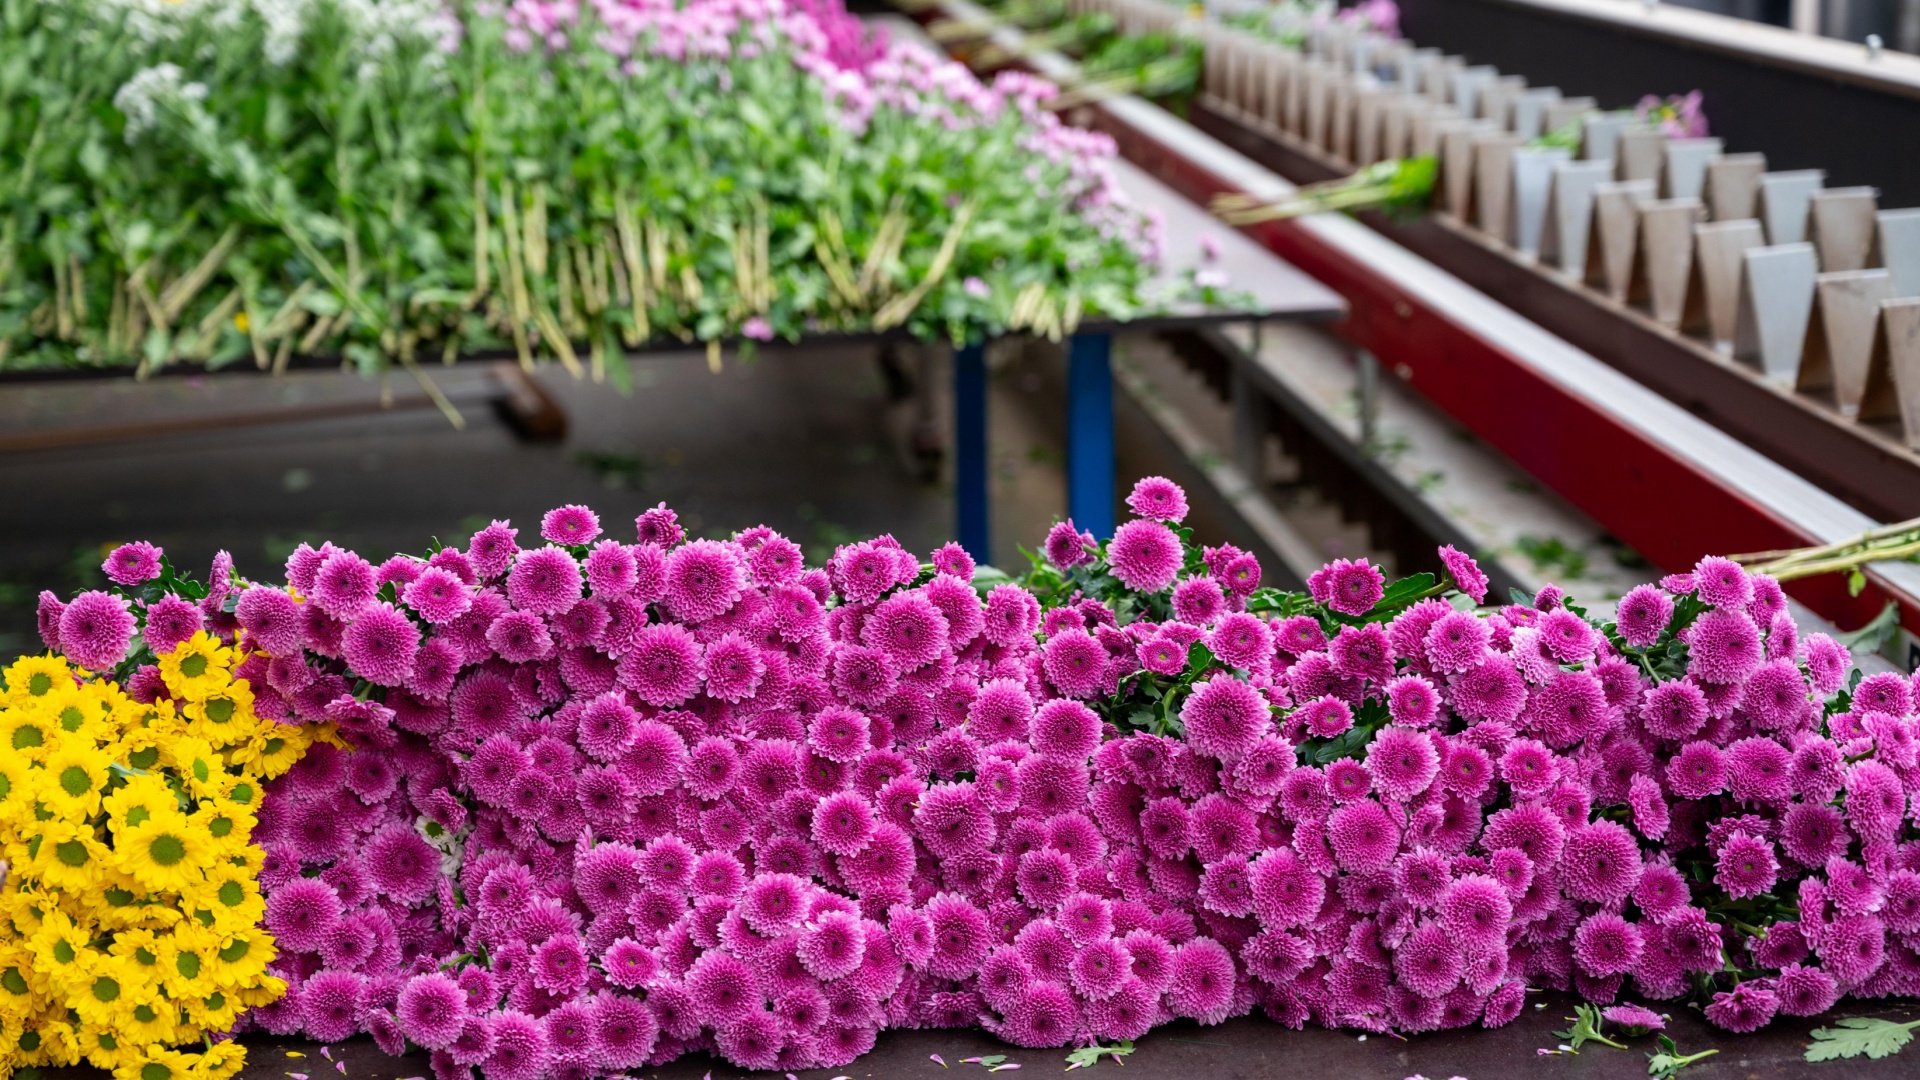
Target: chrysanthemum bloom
{"points": [[659, 527], [1045, 1015], [1145, 555], [380, 645], [843, 823], [664, 666], [344, 584], [545, 581], [1805, 991], [301, 913], [1422, 875], [432, 1009], [333, 1004], [1642, 615], [833, 945], [1201, 987], [1012, 615], [170, 621], [1572, 706], [712, 768], [1600, 863], [1224, 717], [1325, 717], [1722, 582], [1775, 697], [1075, 663], [1466, 573], [1263, 769], [1242, 640], [438, 595], [1674, 710], [1002, 710], [131, 564], [1065, 729], [704, 579], [402, 864], [960, 606], [1723, 647], [1348, 780], [1757, 769], [907, 629], [1299, 635], [570, 526], [1490, 690], [1198, 600], [1412, 701], [1363, 836], [1402, 762], [611, 569], [624, 1031], [838, 733], [1158, 498], [1606, 944], [1348, 586], [1747, 1007], [1430, 962], [1286, 892], [1529, 767], [1065, 547], [1874, 801], [1085, 918], [1533, 829], [960, 937], [520, 1048], [95, 630]]}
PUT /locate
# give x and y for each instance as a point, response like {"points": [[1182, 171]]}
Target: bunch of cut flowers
{"points": [[609, 803]]}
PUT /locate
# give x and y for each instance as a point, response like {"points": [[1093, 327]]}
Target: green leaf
{"points": [[1586, 1028], [1857, 1035], [1087, 1056]]}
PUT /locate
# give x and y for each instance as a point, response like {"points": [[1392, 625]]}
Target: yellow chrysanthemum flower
{"points": [[33, 676], [149, 1018], [197, 764], [26, 733], [186, 960], [225, 718], [222, 1061], [164, 852], [159, 1063], [100, 1002], [197, 669], [243, 956], [78, 771], [107, 1045], [66, 855], [18, 787]]}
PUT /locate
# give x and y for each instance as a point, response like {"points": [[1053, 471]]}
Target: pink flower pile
{"points": [[613, 803]]}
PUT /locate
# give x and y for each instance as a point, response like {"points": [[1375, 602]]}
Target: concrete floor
{"points": [[1249, 1048]]}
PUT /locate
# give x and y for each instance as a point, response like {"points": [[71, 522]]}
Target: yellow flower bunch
{"points": [[130, 914]]}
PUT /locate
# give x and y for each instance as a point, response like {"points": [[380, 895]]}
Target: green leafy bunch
{"points": [[187, 184]]}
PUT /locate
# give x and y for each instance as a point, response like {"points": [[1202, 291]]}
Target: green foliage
{"points": [[1855, 1036], [1586, 1028], [1087, 1056], [1670, 1061], [365, 193]]}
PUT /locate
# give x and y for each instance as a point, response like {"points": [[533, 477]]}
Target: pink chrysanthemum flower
{"points": [[960, 937], [432, 1009], [96, 629], [1457, 641], [570, 526], [1806, 991], [1724, 647], [1600, 863], [1012, 615], [908, 630], [1263, 769], [1348, 780], [545, 581], [1201, 987], [272, 620], [1490, 690], [520, 637], [1674, 710], [1075, 663], [1145, 555], [1430, 962], [1642, 615], [1325, 717], [1402, 762], [1606, 944], [438, 595], [664, 666], [1242, 640], [1198, 600], [1299, 635], [1466, 573], [1747, 1007], [1412, 701], [344, 584], [1065, 729], [659, 527], [1065, 547], [1349, 586], [1224, 717], [333, 1004], [1159, 499], [170, 621], [132, 564], [1364, 837], [843, 823], [301, 913]]}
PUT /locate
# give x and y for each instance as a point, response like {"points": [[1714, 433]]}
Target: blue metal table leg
{"points": [[970, 450], [1090, 457]]}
